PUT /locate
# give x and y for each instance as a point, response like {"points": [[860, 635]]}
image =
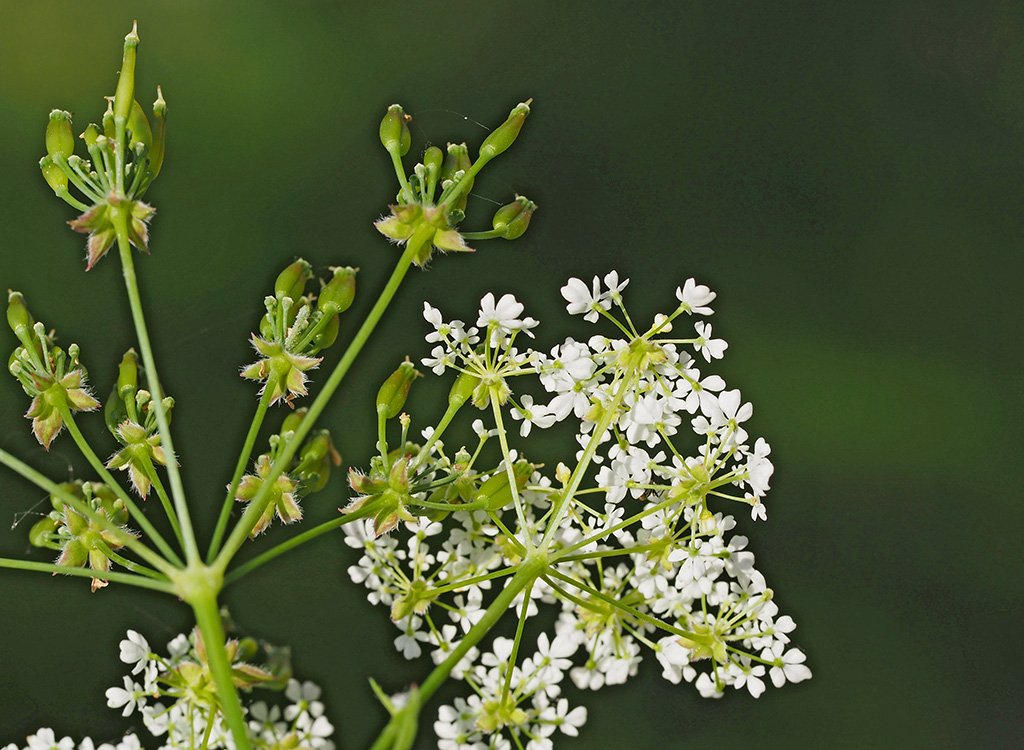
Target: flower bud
{"points": [[39, 534], [138, 124], [339, 291], [513, 218], [59, 139], [54, 176], [505, 134], [18, 315], [394, 130], [291, 282], [392, 395], [156, 152], [125, 92]]}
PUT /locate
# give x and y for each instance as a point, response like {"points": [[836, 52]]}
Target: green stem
{"points": [[132, 286], [611, 412], [165, 501], [472, 581], [403, 181], [510, 471], [124, 562], [257, 506], [515, 644], [606, 533], [642, 616], [99, 468], [204, 605], [528, 572], [243, 461], [367, 510], [490, 234], [449, 415], [140, 549], [71, 200], [126, 578]]}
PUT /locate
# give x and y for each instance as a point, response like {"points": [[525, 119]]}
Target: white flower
{"points": [[44, 739], [789, 666], [695, 297], [127, 696], [584, 301], [532, 414], [707, 346], [135, 650]]}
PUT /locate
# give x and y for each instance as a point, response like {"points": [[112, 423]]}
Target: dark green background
{"points": [[848, 176]]}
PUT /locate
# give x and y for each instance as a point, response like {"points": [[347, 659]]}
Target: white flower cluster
{"points": [[637, 553], [176, 699]]}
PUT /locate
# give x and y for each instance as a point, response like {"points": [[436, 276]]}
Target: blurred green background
{"points": [[848, 177]]}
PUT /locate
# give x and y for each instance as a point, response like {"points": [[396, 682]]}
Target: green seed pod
{"points": [[18, 315], [394, 130], [433, 158], [340, 291], [128, 375], [54, 176], [71, 488], [513, 218], [74, 554], [505, 134], [497, 491], [91, 133], [108, 120], [138, 124], [395, 390], [60, 141], [266, 327], [124, 95], [462, 388], [156, 153], [114, 412], [293, 420], [458, 161], [328, 334], [41, 531], [291, 282], [75, 522], [248, 648]]}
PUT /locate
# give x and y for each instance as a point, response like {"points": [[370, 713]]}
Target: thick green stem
{"points": [[258, 504], [97, 465], [135, 302], [529, 571], [109, 575], [208, 619], [243, 461]]}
